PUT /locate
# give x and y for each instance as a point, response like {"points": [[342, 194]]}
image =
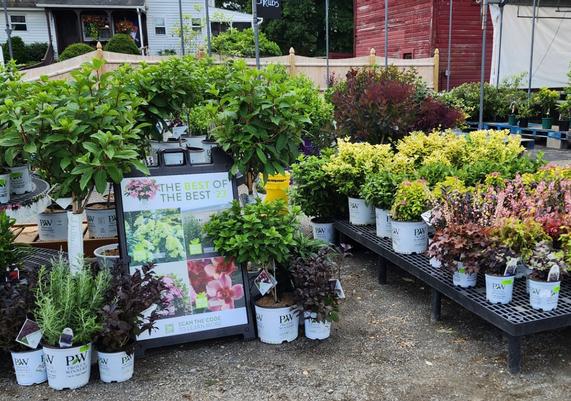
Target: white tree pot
{"points": [[5, 188], [52, 226], [276, 325], [116, 367], [543, 295], [323, 231], [383, 223], [29, 366], [68, 367], [208, 146], [499, 289], [106, 261], [360, 213], [195, 141], [409, 236], [20, 179], [102, 223], [197, 155], [315, 330], [461, 278]]}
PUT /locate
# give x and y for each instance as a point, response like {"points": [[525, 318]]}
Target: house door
{"points": [[67, 31]]}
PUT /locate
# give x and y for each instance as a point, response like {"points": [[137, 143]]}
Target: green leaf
{"points": [[101, 181]]}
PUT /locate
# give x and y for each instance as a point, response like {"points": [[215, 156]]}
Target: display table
{"points": [[25, 208]]}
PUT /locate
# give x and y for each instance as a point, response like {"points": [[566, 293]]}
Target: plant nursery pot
{"points": [[315, 330], [543, 295], [461, 278], [323, 230], [101, 220], [434, 262], [499, 289], [179, 131], [409, 236], [546, 123], [20, 180], [564, 125], [523, 122], [208, 145], [68, 367], [52, 225], [383, 223], [4, 187], [116, 367], [197, 155], [172, 159], [512, 119], [276, 324], [107, 255], [30, 367], [195, 141], [360, 213]]}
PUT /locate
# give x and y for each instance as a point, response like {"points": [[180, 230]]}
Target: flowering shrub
{"points": [[411, 200], [142, 188], [175, 297]]}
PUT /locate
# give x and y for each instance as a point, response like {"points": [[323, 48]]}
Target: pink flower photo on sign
{"points": [[222, 294], [142, 189]]}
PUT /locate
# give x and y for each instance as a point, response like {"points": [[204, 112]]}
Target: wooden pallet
{"points": [[27, 234]]}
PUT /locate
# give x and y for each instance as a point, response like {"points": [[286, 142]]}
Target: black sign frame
{"points": [[269, 9]]}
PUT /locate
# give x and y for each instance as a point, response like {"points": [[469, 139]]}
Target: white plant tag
{"points": [[336, 286], [511, 267], [426, 216], [265, 282], [66, 338], [554, 273], [30, 334]]}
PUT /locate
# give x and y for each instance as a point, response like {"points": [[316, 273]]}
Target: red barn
{"points": [[418, 27]]}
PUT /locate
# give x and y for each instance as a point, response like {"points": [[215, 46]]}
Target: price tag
{"points": [[265, 282], [30, 334]]}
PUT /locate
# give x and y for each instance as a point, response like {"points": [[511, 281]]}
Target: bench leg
{"points": [[382, 265], [514, 354], [436, 304]]}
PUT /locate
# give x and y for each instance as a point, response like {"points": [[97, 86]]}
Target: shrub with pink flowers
{"points": [[142, 188]]}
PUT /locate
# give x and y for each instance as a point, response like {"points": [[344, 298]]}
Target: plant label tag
{"points": [[30, 334], [426, 216], [554, 273], [336, 286], [265, 282], [511, 267], [66, 338]]}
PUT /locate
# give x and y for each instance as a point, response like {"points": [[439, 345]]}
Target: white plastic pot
{"points": [[197, 155], [323, 231], [103, 259], [276, 325], [102, 223], [116, 367], [409, 236], [20, 179], [4, 187], [499, 289], [360, 213], [461, 278], [52, 226], [383, 223], [543, 295], [315, 330], [68, 367], [29, 366], [195, 141], [208, 146], [172, 159]]}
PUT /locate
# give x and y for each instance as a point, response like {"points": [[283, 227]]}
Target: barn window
{"points": [[160, 26], [18, 23], [407, 56]]}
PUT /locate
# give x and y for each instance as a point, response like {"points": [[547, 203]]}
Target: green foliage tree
{"points": [[74, 50], [122, 43], [238, 43]]}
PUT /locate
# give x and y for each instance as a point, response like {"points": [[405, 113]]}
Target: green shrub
{"points": [[36, 51], [74, 50], [122, 43], [411, 200], [241, 44], [18, 50]]}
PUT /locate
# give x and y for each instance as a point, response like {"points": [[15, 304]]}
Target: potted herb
{"points": [[500, 265], [524, 112], [545, 100], [4, 184], [69, 300], [314, 293], [379, 190], [315, 194], [409, 231], [546, 266], [261, 233], [123, 316], [564, 114]]}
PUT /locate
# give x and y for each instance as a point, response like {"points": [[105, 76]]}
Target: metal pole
{"points": [[500, 44], [141, 39], [256, 33], [8, 30], [386, 33], [448, 62], [531, 52], [483, 63], [181, 26], [208, 34], [327, 41]]}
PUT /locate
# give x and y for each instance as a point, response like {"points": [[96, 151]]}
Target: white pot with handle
{"points": [[360, 212], [29, 367], [115, 367], [409, 236], [323, 230], [544, 295], [20, 179], [499, 289], [462, 278], [277, 325]]}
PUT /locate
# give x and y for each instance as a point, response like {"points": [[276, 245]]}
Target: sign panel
{"points": [[269, 9]]}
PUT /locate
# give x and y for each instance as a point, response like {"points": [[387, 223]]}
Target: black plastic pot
{"points": [[523, 122], [512, 119], [564, 125]]}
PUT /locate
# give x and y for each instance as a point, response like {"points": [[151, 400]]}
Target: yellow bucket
{"points": [[277, 187]]}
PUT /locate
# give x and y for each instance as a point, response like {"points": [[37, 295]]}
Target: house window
{"points": [[18, 22], [196, 24], [160, 26]]}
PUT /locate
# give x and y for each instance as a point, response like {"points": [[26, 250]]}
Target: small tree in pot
{"points": [[544, 101], [564, 114], [546, 266], [379, 190], [123, 317]]}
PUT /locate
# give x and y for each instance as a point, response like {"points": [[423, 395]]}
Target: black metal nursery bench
{"points": [[516, 319]]}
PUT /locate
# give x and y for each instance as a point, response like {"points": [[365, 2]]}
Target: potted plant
{"points": [[314, 293], [499, 264], [315, 194], [123, 319], [348, 169], [544, 101], [261, 233], [379, 190], [53, 223], [69, 300], [524, 112], [200, 120], [544, 281], [4, 185], [564, 114], [107, 255], [409, 231], [101, 218], [512, 117]]}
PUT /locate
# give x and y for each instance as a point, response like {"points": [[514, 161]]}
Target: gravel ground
{"points": [[384, 348]]}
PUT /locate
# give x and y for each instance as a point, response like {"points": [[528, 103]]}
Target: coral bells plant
{"points": [[543, 259], [142, 189], [411, 200]]}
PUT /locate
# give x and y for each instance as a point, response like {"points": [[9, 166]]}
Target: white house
{"points": [[155, 24]]}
